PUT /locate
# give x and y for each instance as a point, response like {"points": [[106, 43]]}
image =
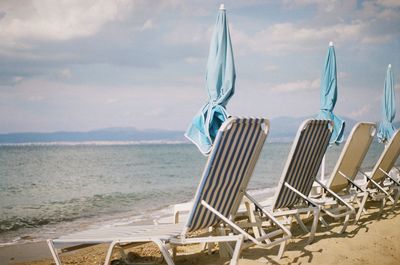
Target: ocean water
{"points": [[46, 191]]}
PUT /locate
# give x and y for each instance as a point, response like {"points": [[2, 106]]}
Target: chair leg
{"points": [[109, 252], [382, 206], [361, 208], [54, 253], [316, 213], [281, 249], [174, 252], [323, 222], [346, 221], [396, 198], [252, 216], [164, 251], [225, 249], [236, 252], [300, 222]]}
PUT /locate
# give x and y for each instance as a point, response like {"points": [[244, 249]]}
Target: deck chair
{"points": [[375, 183], [292, 196], [224, 181], [342, 179]]}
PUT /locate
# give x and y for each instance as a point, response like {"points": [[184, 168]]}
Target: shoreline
{"points": [[373, 240], [162, 215]]}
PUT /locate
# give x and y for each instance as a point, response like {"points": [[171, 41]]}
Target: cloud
{"points": [[283, 38], [271, 68], [59, 20], [65, 73], [286, 38], [327, 6], [342, 75], [193, 60], [112, 100], [36, 98], [297, 86], [17, 79], [389, 3], [188, 33], [58, 106], [356, 114], [148, 24]]}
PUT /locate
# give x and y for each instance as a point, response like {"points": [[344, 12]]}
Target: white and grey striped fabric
{"points": [[303, 162], [228, 170]]}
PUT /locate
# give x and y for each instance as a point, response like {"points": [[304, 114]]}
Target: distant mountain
{"points": [[108, 134], [283, 129]]}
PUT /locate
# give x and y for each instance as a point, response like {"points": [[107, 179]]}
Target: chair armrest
{"points": [[390, 177], [301, 195], [181, 207], [268, 214], [375, 183], [351, 182], [337, 197]]}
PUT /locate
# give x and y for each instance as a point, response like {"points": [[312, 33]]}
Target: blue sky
{"points": [[81, 65]]}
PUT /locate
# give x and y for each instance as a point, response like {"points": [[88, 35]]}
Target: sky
{"points": [[81, 65]]}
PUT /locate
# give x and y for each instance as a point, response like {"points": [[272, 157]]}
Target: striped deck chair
{"points": [[300, 171], [375, 182], [342, 179], [224, 181]]}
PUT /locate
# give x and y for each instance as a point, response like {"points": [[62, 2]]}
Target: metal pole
{"points": [[323, 169]]}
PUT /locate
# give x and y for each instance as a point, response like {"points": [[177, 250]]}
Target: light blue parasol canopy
{"points": [[386, 128], [329, 96], [220, 82]]}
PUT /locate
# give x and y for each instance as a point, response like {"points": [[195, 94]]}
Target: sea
{"points": [[47, 190]]}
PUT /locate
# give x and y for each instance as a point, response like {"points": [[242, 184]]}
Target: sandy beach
{"points": [[373, 240]]}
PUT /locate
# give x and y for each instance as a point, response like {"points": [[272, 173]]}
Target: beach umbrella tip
{"points": [[222, 7], [331, 43]]}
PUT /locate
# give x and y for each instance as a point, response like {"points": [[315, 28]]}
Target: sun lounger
{"points": [[221, 189], [342, 179], [375, 186], [291, 198]]}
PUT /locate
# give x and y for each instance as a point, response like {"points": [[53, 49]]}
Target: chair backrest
{"points": [[303, 162], [228, 170], [352, 155], [387, 159]]}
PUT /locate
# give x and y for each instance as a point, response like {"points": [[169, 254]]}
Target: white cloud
{"points": [[288, 37], [389, 3], [35, 98], [187, 33], [58, 20], [17, 79], [356, 114], [271, 68], [112, 100], [193, 60], [327, 6], [300, 85], [66, 73], [285, 38], [342, 75], [148, 24], [378, 39]]}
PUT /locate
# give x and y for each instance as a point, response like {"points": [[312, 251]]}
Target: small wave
{"points": [[16, 223], [54, 212], [266, 191]]}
